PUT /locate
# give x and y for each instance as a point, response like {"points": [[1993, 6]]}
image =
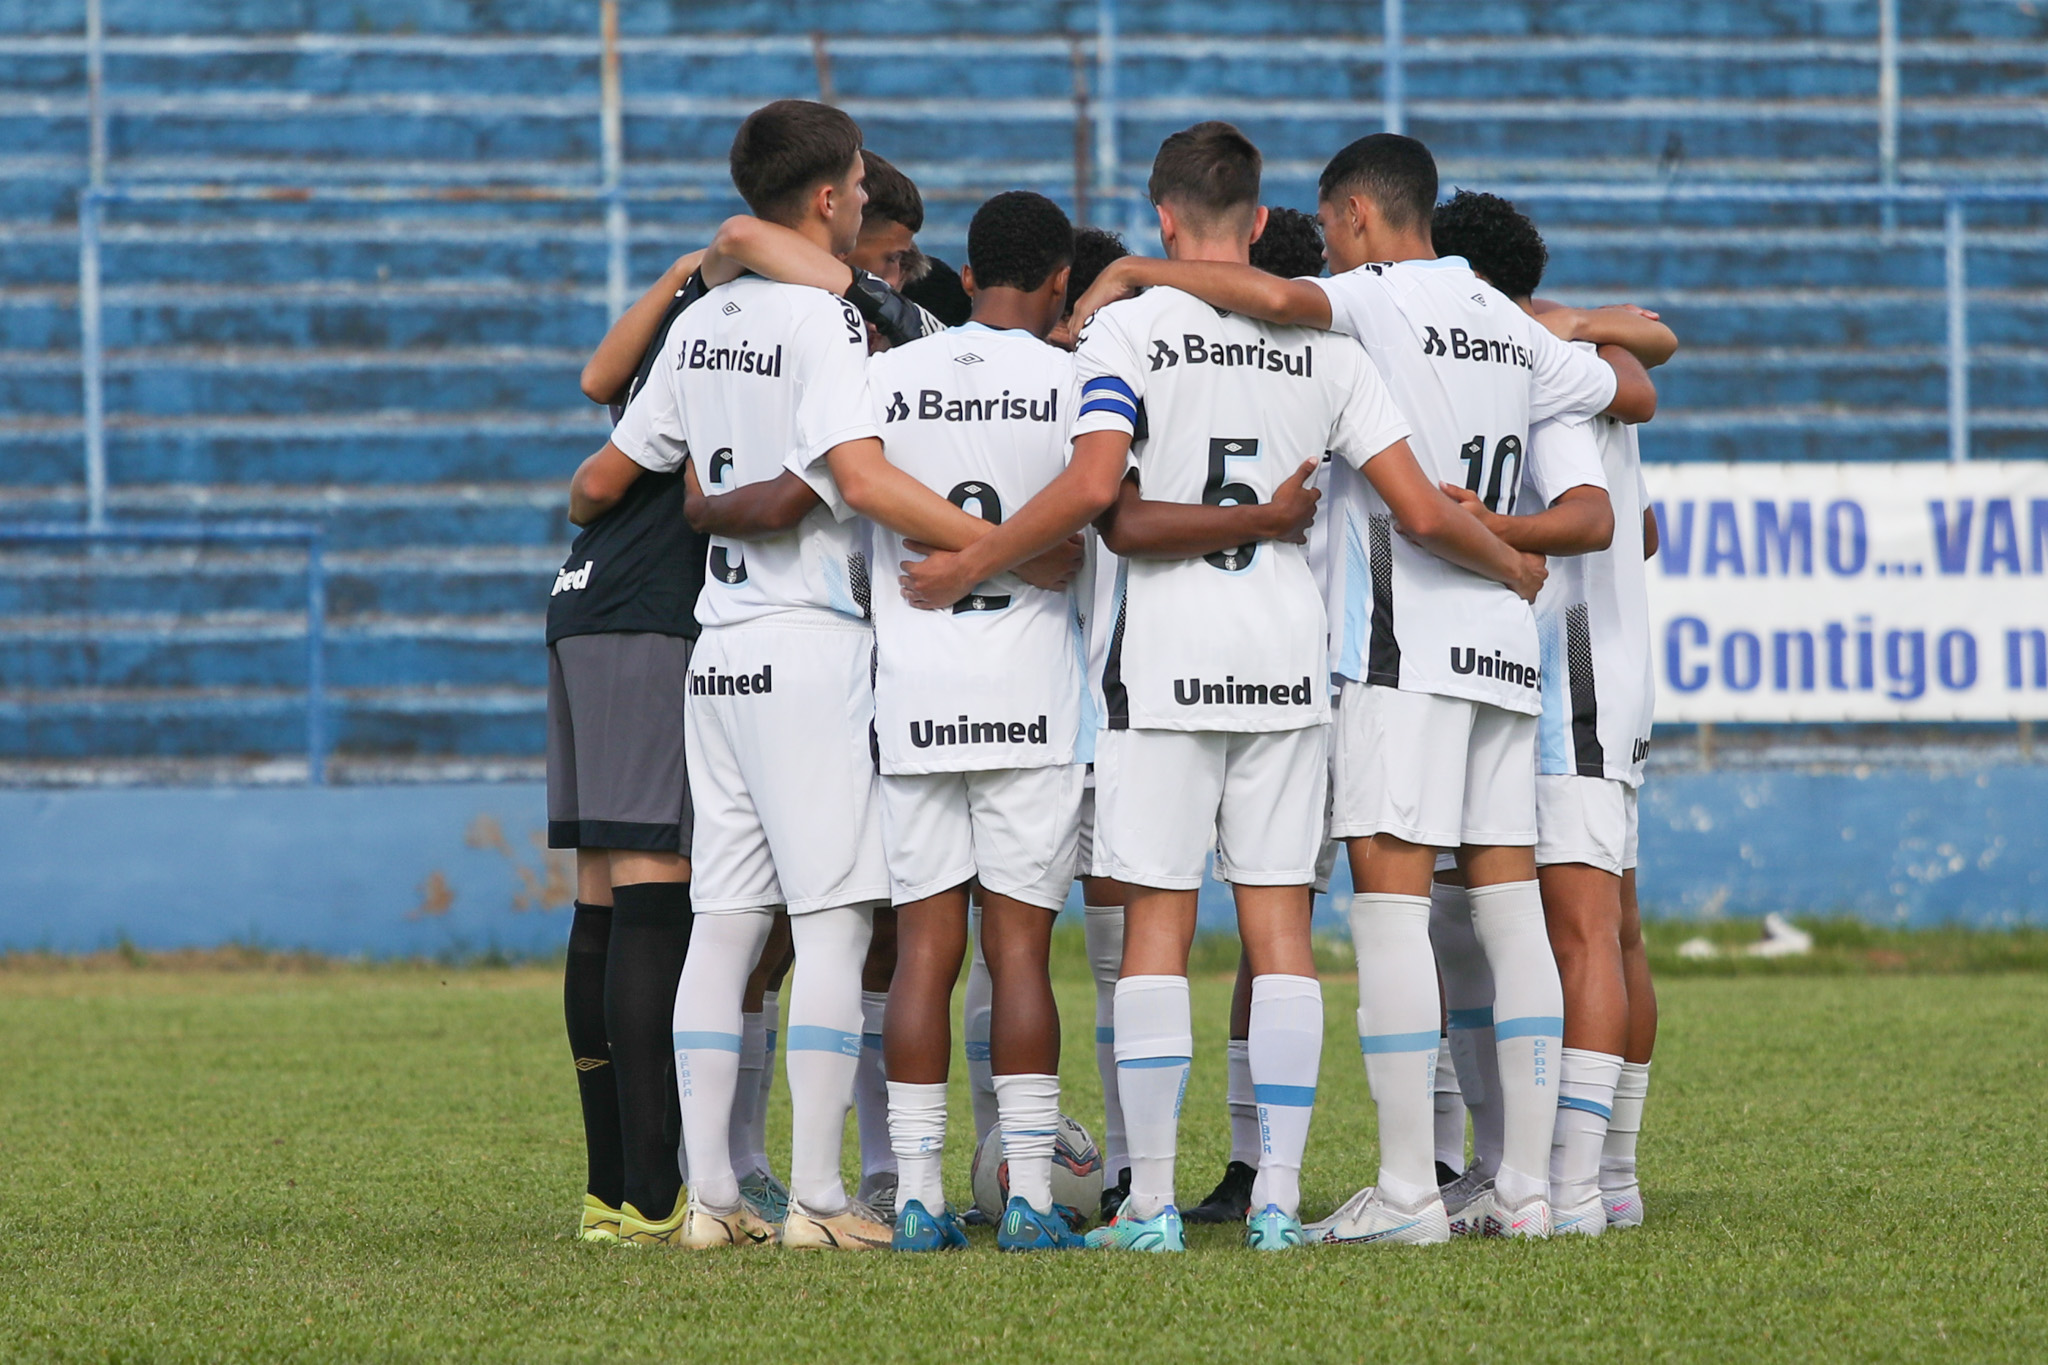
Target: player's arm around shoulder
{"points": [[1564, 470], [1427, 515], [1242, 289]]}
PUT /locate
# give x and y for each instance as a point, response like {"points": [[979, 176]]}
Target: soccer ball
{"points": [[1076, 1174]]}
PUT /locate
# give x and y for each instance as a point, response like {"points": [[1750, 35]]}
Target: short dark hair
{"points": [[1210, 171], [1018, 239], [1291, 246], [1094, 249], [941, 294], [1397, 173], [892, 196], [785, 150], [1496, 239]]}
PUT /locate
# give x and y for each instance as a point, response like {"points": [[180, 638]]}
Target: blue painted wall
{"points": [[458, 869]]}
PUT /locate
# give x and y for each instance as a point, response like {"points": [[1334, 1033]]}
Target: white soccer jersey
{"points": [[980, 416], [1471, 372], [1593, 616], [763, 377], [1222, 409]]}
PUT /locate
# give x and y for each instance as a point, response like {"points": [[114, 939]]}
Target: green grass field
{"points": [[297, 1160]]}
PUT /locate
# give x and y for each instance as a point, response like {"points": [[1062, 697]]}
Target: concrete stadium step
{"points": [[1716, 380], [437, 447], [187, 582], [286, 769], [256, 648], [421, 518], [226, 723]]}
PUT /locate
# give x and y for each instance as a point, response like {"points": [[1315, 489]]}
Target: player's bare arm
{"points": [[1635, 396], [599, 482], [750, 512], [1086, 489], [1138, 527], [1579, 521], [1244, 289], [1638, 331], [744, 243], [1649, 534], [1426, 515], [612, 365], [885, 494]]}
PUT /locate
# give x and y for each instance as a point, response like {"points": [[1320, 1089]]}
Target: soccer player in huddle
{"points": [[1212, 668], [977, 712], [765, 385], [1435, 733], [1598, 692]]}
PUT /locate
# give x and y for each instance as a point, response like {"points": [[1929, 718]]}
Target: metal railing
{"points": [[310, 535]]}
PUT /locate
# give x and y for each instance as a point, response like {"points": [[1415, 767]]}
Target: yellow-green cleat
{"points": [[636, 1229], [600, 1221]]}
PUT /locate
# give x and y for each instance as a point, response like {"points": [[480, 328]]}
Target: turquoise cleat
{"points": [[917, 1230], [1271, 1230], [1026, 1229], [1160, 1232]]}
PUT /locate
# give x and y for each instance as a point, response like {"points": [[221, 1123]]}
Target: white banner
{"points": [[1850, 592]]}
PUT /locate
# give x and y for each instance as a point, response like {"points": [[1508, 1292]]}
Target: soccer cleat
{"points": [[918, 1230], [1467, 1201], [1113, 1196], [1160, 1232], [1230, 1201], [1530, 1218], [854, 1228], [1588, 1219], [1271, 1230], [708, 1230], [600, 1221], [878, 1192], [1365, 1219], [636, 1229], [1026, 1229], [1624, 1206], [765, 1195]]}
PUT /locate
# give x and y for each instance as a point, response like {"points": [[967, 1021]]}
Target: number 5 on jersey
{"points": [[1217, 492]]}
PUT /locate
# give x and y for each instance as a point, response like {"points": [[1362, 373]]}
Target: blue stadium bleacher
{"points": [[394, 354]]}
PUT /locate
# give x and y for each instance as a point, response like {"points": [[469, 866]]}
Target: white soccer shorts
{"points": [[1590, 820], [1165, 798], [1016, 829], [1439, 771], [781, 773]]}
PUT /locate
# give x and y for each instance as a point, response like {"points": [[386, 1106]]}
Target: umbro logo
{"points": [[730, 309], [969, 359], [1164, 356], [1433, 344], [1233, 447], [1479, 299], [591, 1063]]}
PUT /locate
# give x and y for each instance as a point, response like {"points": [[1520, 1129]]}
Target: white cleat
{"points": [[855, 1228], [1624, 1206], [1467, 1201], [1588, 1219], [1365, 1219], [1530, 1218]]}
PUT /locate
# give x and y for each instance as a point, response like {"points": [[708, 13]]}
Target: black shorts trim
{"points": [[630, 835]]}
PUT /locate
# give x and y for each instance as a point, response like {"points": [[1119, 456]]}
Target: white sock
{"points": [[747, 1096], [771, 1020], [1618, 1153], [706, 1026], [1155, 1041], [976, 1018], [823, 1048], [917, 1133], [1585, 1102], [1103, 926], [1244, 1107], [1397, 1033], [1286, 1052], [1528, 1029], [1468, 1000], [1028, 1107], [1450, 1109], [871, 1088]]}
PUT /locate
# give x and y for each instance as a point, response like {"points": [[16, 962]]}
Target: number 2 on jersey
{"points": [[988, 505], [1473, 453], [1218, 493]]}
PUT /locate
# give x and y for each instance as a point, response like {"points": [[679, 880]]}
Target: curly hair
{"points": [[939, 292], [1496, 239], [1018, 239], [1094, 248], [1291, 246]]}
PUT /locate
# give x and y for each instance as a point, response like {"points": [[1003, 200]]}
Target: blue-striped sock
{"points": [[1528, 1031], [1154, 1043], [1286, 1054]]}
